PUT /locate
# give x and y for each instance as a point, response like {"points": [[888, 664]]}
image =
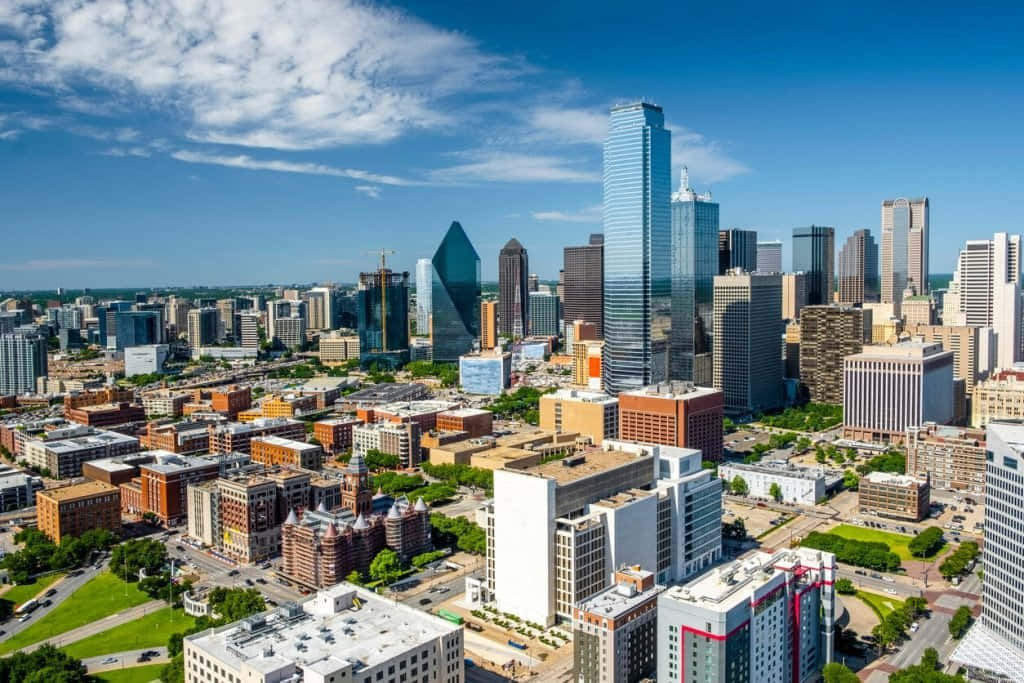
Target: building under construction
{"points": [[383, 303]]}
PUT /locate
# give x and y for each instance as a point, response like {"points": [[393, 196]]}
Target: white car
{"points": [[109, 660], [914, 627]]}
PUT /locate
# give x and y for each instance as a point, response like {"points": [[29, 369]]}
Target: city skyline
{"points": [[207, 173]]}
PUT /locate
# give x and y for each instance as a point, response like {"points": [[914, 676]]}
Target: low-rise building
{"points": [[898, 496], [473, 421], [116, 471], [343, 634], [801, 485], [64, 458], [326, 390], [287, 405], [165, 403], [485, 373], [615, 632], [335, 434], [401, 439], [951, 457], [999, 398], [770, 617], [107, 414], [590, 413], [423, 413], [337, 348], [674, 414], [235, 437], [164, 483], [274, 450], [188, 437], [75, 509], [17, 489], [379, 394]]}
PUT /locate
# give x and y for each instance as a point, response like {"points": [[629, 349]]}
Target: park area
{"points": [[24, 592], [881, 605], [898, 543], [101, 597], [133, 674], [151, 630]]}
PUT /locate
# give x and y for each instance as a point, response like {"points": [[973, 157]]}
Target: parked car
{"points": [[875, 575], [50, 593], [425, 601], [860, 571], [233, 572], [248, 582]]}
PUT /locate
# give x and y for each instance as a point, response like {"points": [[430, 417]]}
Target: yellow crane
{"points": [[383, 253]]}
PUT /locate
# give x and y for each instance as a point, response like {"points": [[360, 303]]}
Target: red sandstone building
{"points": [[674, 414]]}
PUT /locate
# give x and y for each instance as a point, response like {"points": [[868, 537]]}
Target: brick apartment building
{"points": [[674, 414], [164, 482], [106, 414], [184, 438], [897, 496], [73, 510], [235, 437], [274, 450], [97, 397], [335, 434], [473, 421]]}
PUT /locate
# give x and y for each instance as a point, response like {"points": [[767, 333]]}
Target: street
{"points": [[64, 588]]}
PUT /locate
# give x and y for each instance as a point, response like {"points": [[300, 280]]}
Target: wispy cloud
{"points": [[705, 159], [568, 125], [259, 73], [127, 152], [70, 264], [591, 214], [371, 191], [283, 166], [488, 165]]}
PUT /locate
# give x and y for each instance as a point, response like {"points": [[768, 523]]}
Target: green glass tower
{"points": [[455, 296], [383, 302]]}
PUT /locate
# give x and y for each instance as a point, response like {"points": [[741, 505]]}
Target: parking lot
{"points": [[742, 441], [757, 520]]}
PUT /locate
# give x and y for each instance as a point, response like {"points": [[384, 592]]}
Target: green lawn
{"points": [[152, 630], [26, 591], [101, 596], [897, 542], [133, 674], [881, 605]]}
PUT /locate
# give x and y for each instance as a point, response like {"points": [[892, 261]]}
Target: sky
{"points": [[178, 142]]}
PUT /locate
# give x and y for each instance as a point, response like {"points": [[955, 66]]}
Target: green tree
{"points": [[775, 491], [851, 482], [233, 604], [735, 530], [845, 587], [43, 665], [376, 460], [738, 486], [386, 567], [835, 672], [141, 553], [728, 426], [959, 622], [926, 543], [174, 671], [355, 576], [915, 606], [930, 658]]}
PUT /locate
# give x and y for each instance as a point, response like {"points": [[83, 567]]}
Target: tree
{"points": [[376, 460], [915, 606], [735, 530], [141, 553], [851, 482], [355, 576], [775, 491], [838, 673], [174, 671], [386, 567], [738, 486], [46, 663], [926, 543], [233, 604], [930, 659], [959, 622], [728, 426], [458, 532], [845, 587]]}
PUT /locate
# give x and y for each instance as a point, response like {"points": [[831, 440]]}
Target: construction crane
{"points": [[383, 253]]}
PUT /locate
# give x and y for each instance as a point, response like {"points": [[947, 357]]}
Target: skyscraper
{"points": [[226, 319], [543, 314], [814, 254], [513, 290], [769, 257], [202, 327], [988, 274], [137, 328], [858, 269], [904, 248], [455, 296], [488, 324], [320, 314], [638, 240], [383, 317], [694, 266], [827, 335], [737, 249], [583, 287], [22, 361], [424, 284], [748, 338]]}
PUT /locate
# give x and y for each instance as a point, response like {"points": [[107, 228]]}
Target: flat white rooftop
{"points": [[287, 443], [673, 390], [582, 396]]}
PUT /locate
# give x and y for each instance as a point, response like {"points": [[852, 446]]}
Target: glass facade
{"points": [[484, 374], [695, 261], [900, 242], [424, 285], [814, 255], [455, 296], [637, 255], [137, 328], [543, 314], [383, 302]]}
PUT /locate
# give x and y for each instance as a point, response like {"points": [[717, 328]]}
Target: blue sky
{"points": [[177, 143]]}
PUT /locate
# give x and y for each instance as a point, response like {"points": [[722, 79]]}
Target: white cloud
{"points": [[283, 166], [126, 152], [569, 125], [261, 73], [591, 214], [489, 165], [67, 264], [371, 191], [704, 158]]}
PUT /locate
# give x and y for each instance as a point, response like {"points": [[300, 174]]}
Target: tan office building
{"points": [[999, 398], [962, 340], [488, 324], [590, 413], [73, 510], [953, 457], [897, 496]]}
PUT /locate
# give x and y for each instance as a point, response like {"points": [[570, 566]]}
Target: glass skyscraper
{"points": [[455, 296], [695, 261], [424, 285], [814, 255], [383, 318]]}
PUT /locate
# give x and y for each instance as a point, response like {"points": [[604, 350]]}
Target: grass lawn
{"points": [[100, 597], [897, 542], [26, 591], [881, 605], [152, 630], [133, 674]]}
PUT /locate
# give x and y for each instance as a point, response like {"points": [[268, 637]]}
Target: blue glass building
{"points": [[455, 296], [485, 374], [383, 303], [695, 263], [637, 247], [814, 251], [136, 328]]}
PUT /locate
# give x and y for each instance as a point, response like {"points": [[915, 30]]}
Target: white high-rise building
{"points": [[424, 278], [995, 644], [22, 361], [987, 285], [769, 257], [904, 248], [557, 531]]}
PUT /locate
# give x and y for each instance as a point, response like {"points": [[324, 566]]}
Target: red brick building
{"points": [[674, 414], [164, 483], [106, 414], [235, 437], [73, 510], [473, 421], [335, 434]]}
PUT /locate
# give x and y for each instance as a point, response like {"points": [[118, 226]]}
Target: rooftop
{"points": [[779, 469], [1010, 433], [411, 408], [384, 393], [466, 412], [256, 425], [287, 443], [79, 443], [334, 421], [77, 491], [904, 350], [340, 627], [576, 467], [674, 390], [165, 462], [892, 479], [581, 396], [618, 600]]}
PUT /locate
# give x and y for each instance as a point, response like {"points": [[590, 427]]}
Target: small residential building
{"points": [[800, 485], [485, 373], [770, 617], [615, 632], [274, 450], [591, 413], [674, 414], [75, 509], [343, 634], [950, 457], [898, 496]]}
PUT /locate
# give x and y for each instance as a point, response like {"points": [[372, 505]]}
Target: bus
{"points": [[27, 607], [449, 616]]}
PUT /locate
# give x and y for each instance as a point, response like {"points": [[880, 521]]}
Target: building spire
{"points": [[684, 180]]}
